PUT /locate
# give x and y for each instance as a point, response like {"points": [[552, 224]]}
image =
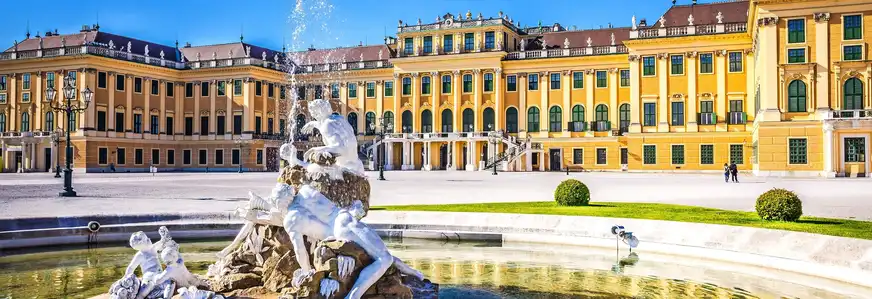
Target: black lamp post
{"points": [[70, 108], [495, 139], [239, 143], [56, 139], [380, 137]]}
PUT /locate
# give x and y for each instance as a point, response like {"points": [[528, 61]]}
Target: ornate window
{"points": [[853, 98], [49, 121], [578, 113], [426, 121], [25, 122], [512, 120], [555, 119], [624, 115], [533, 119], [389, 121], [352, 120], [488, 117], [796, 96], [489, 40], [468, 119], [447, 121], [407, 122], [369, 123], [602, 112]]}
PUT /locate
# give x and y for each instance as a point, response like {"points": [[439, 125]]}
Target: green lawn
{"points": [[825, 226]]}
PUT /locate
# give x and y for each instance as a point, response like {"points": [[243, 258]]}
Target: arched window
{"points": [[407, 121], [853, 94], [796, 96], [370, 123], [49, 121], [555, 119], [426, 121], [389, 122], [352, 120], [447, 121], [2, 122], [602, 112], [625, 116], [488, 117], [468, 119], [533, 119], [512, 120], [25, 122], [578, 113]]}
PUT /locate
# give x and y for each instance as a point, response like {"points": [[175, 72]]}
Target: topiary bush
{"points": [[779, 204], [572, 192]]}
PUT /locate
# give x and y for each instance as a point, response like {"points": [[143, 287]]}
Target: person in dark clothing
{"points": [[726, 173], [735, 172]]}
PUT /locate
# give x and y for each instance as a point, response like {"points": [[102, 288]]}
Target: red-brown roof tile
{"points": [[347, 54], [578, 38], [704, 14]]}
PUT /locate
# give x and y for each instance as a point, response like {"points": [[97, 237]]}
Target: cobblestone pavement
{"points": [[35, 194]]}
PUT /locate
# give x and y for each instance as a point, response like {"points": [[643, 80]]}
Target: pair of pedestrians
{"points": [[730, 170]]}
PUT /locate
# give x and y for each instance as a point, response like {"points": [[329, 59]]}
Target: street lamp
{"points": [[56, 139], [70, 109], [239, 143], [380, 137], [495, 138]]}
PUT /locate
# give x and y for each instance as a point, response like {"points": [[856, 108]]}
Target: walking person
{"points": [[726, 173], [735, 172]]}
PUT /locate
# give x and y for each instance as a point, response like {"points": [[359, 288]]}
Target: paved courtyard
{"points": [[35, 194]]}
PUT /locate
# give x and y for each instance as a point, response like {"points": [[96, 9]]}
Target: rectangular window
{"points": [[511, 83], [467, 83], [119, 121], [448, 43], [204, 125], [155, 156], [3, 82], [258, 88], [171, 157], [446, 84], [221, 125], [204, 89], [269, 125], [425, 85], [186, 157], [282, 92], [625, 156], [650, 110], [155, 125], [334, 90], [853, 27], [389, 88], [577, 156], [301, 92], [370, 89], [533, 82], [237, 124], [282, 126], [797, 150], [796, 31], [649, 154], [735, 62], [119, 82], [235, 157], [678, 154], [489, 40], [102, 156], [677, 113], [577, 79], [170, 89], [855, 150], [237, 87], [706, 63], [601, 79], [72, 75], [137, 156], [203, 157], [189, 125], [222, 88], [707, 154], [649, 66], [601, 156], [120, 156], [155, 87], [101, 121], [257, 125], [270, 90], [428, 44], [101, 79], [25, 97], [796, 55], [555, 81], [737, 154], [259, 157], [219, 157], [137, 123], [319, 92], [189, 90], [137, 85], [677, 63], [407, 86], [25, 81], [408, 46], [706, 106], [352, 90], [468, 41], [852, 53], [625, 78], [169, 126]]}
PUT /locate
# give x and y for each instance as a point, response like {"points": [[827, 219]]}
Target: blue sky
{"points": [[267, 23]]}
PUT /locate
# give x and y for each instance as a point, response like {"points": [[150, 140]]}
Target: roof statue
{"points": [[63, 41], [589, 42], [720, 18], [500, 14], [161, 54], [566, 43], [544, 44], [613, 38], [15, 45], [690, 20], [248, 51], [146, 50], [523, 44], [400, 23], [129, 45], [263, 55], [361, 57], [276, 58], [111, 45], [469, 15], [662, 21], [198, 56], [214, 55], [230, 53], [40, 43], [379, 54], [480, 17], [419, 21], [634, 22]]}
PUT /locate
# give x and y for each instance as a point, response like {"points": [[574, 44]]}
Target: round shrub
{"points": [[779, 204], [572, 193]]}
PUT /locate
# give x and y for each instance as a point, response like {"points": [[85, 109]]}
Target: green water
{"points": [[464, 270]]}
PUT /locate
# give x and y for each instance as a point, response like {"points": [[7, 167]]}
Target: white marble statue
{"points": [[338, 138], [175, 273]]}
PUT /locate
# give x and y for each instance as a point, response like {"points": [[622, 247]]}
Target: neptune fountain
{"points": [[305, 240]]}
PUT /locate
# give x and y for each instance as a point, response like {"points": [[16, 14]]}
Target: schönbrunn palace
{"points": [[780, 87]]}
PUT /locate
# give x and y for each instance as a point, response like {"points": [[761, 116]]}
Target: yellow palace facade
{"points": [[779, 87]]}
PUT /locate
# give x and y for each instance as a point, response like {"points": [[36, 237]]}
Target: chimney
{"points": [[643, 23], [311, 48], [187, 44], [360, 44], [47, 33], [86, 28]]}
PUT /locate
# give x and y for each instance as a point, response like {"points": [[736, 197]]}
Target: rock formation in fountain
{"points": [[305, 240]]}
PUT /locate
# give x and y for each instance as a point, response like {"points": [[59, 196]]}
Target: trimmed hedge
{"points": [[572, 192], [779, 204]]}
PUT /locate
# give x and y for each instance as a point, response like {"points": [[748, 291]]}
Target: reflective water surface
{"points": [[465, 270]]}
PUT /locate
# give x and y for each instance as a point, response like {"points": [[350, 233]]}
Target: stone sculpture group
{"points": [[317, 204]]}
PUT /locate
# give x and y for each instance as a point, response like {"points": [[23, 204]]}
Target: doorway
{"points": [[47, 158], [554, 154], [443, 157], [854, 156], [465, 154], [18, 161], [535, 162], [272, 154]]}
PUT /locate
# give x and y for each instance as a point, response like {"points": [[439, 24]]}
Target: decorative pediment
{"points": [[677, 96], [221, 113], [426, 105], [705, 95], [137, 110], [489, 103], [446, 103], [270, 114], [154, 111], [407, 105], [204, 113], [467, 103]]}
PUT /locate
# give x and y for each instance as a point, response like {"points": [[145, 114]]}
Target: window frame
{"points": [[138, 154], [102, 155], [653, 67], [795, 98], [742, 152], [621, 78], [605, 152], [604, 80], [217, 155], [447, 43], [672, 154], [154, 86], [576, 82], [105, 80], [511, 83], [137, 85], [471, 83], [741, 63], [488, 83], [352, 90], [844, 27], [532, 82], [788, 55], [202, 155], [645, 156], [673, 65], [711, 63], [426, 85], [534, 121], [674, 116], [26, 81], [171, 157], [552, 82], [645, 114], [790, 34], [120, 155], [702, 157], [189, 90], [446, 86], [122, 83], [204, 89], [791, 155], [407, 86], [580, 156], [862, 52], [370, 90], [427, 44], [389, 86]]}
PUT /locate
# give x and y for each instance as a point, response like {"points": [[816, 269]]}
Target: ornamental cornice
{"points": [[821, 17], [671, 41], [767, 21]]}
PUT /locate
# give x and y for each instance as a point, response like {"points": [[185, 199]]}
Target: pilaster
{"points": [[198, 91], [499, 110], [213, 123], [822, 57], [613, 98], [635, 95], [162, 114], [721, 96], [456, 113], [590, 85], [567, 100], [146, 113], [247, 108], [663, 99], [416, 102], [767, 53], [692, 73], [435, 92], [544, 86], [477, 90], [128, 110]]}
